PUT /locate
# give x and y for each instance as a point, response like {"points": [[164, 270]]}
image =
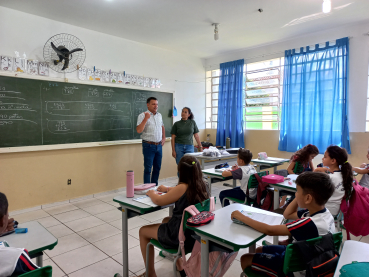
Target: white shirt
{"points": [[243, 174], [153, 128], [334, 203]]}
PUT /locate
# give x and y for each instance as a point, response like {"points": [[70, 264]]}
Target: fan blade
{"points": [[66, 64], [60, 53], [75, 50]]}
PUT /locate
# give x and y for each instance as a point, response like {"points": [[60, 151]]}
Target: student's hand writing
{"points": [[236, 215], [234, 167], [162, 188], [151, 193]]}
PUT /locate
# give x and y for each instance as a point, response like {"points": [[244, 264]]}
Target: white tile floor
{"points": [[89, 238]]}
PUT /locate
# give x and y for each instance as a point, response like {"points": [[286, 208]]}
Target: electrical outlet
{"points": [[69, 181]]}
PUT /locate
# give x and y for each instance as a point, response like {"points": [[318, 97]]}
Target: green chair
{"points": [[45, 271], [293, 260], [252, 184], [299, 168], [176, 252]]}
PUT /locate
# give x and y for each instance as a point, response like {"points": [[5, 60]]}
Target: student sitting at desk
{"points": [[191, 189], [313, 191], [363, 169], [241, 171], [304, 159], [13, 261]]}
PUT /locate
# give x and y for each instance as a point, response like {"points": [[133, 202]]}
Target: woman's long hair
{"points": [[190, 173], [304, 153], [190, 112], [341, 157]]}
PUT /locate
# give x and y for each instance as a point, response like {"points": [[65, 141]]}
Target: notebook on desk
{"points": [[264, 218], [147, 200]]}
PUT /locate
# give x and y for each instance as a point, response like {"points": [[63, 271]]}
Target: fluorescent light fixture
{"points": [[327, 6], [216, 34]]}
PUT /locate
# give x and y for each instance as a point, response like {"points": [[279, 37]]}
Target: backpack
{"points": [[219, 262], [321, 258], [264, 198], [356, 211]]}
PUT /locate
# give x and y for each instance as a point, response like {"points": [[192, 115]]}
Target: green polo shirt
{"points": [[184, 130]]}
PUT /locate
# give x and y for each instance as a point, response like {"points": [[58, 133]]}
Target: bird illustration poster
{"points": [[127, 79], [113, 77], [32, 67], [19, 65], [6, 63], [43, 68], [146, 82], [82, 73], [140, 81], [90, 74], [152, 82], [120, 78], [157, 83], [98, 75], [134, 80], [105, 76]]}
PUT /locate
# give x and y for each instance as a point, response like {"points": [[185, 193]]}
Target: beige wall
{"points": [[31, 179], [267, 141]]}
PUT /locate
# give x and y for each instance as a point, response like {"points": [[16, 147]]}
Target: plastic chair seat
{"points": [[251, 273], [45, 271], [158, 245]]}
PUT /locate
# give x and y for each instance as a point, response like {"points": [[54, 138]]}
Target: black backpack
{"points": [[321, 258]]}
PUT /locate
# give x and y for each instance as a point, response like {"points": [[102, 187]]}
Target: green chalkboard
{"points": [[39, 112]]}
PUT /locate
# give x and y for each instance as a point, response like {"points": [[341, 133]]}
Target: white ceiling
{"points": [[185, 25]]}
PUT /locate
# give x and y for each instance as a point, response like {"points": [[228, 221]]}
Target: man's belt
{"points": [[151, 142]]}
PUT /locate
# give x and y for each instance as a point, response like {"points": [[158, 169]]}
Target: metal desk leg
{"points": [[258, 168], [125, 240], [204, 257], [202, 163], [274, 169], [39, 260], [234, 183], [252, 248], [171, 210], [276, 206]]}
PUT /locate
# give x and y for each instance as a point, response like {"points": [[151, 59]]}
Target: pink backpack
{"points": [[356, 211], [219, 262]]}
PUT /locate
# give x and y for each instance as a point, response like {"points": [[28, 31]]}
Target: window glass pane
{"points": [[214, 125], [208, 85], [208, 114], [208, 100], [263, 83], [215, 88], [262, 101], [208, 74], [215, 110], [262, 75], [208, 125], [215, 117], [265, 91], [254, 125], [215, 81], [263, 64], [215, 103], [215, 96], [215, 73]]}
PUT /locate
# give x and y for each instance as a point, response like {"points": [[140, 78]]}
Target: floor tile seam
{"points": [[73, 248], [77, 218], [92, 204], [89, 265], [105, 237], [61, 212], [86, 228], [59, 267], [101, 212]]}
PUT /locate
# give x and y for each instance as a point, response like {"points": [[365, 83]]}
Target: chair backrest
{"points": [[299, 168], [204, 206], [45, 271], [293, 260], [253, 182]]}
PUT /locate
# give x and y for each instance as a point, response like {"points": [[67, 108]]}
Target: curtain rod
{"points": [[275, 53]]}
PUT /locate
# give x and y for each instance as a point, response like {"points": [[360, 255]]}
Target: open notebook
{"points": [[147, 200], [264, 218]]}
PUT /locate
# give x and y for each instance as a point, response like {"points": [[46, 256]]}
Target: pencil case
{"points": [[144, 186], [262, 156], [272, 179]]}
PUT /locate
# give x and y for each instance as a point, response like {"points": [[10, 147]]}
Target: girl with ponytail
{"points": [[191, 189], [340, 170]]}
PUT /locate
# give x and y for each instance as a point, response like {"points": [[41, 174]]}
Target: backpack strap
{"points": [[212, 204], [261, 187]]}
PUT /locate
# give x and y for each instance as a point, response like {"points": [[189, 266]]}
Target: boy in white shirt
{"points": [[242, 172]]}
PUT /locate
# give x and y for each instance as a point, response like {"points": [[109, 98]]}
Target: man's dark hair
{"points": [[245, 155], [318, 184], [3, 205], [150, 98]]}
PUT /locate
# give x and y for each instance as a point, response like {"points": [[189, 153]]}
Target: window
{"points": [[263, 94], [212, 90], [367, 107]]}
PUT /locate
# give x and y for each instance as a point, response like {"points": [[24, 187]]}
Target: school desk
{"points": [[131, 208], [352, 251], [270, 162], [209, 173], [211, 161], [36, 240], [224, 232]]}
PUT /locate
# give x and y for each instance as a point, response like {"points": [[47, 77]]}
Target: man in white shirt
{"points": [[151, 127]]}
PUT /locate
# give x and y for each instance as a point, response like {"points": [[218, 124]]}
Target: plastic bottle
{"points": [[130, 183], [228, 143]]}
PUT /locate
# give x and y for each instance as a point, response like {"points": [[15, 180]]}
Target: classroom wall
{"points": [[34, 178], [267, 140]]}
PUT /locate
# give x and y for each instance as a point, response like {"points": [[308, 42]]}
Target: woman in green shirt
{"points": [[182, 132]]}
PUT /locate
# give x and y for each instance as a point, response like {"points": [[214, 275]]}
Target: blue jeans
{"points": [[152, 159], [181, 150], [236, 192]]}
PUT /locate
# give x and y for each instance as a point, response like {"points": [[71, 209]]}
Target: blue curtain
{"points": [[315, 97], [230, 104]]}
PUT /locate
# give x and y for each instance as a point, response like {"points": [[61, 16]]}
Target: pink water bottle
{"points": [[130, 183]]}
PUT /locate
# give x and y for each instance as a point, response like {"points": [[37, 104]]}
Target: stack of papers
{"points": [[264, 218], [146, 200]]}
